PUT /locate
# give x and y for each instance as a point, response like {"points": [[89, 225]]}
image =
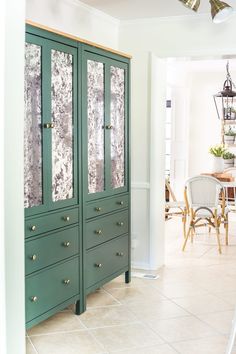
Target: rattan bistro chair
{"points": [[205, 198], [175, 208]]}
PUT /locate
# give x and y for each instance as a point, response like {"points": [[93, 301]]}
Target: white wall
{"points": [[204, 128], [12, 289], [194, 115], [76, 18], [171, 37]]}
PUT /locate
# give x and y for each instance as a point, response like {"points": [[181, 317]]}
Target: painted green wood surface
{"points": [[50, 221], [50, 216], [51, 248], [108, 62], [106, 205], [104, 228], [106, 259], [50, 289], [47, 46]]}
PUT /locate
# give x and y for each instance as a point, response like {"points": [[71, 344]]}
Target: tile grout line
{"points": [[112, 296], [36, 352]]}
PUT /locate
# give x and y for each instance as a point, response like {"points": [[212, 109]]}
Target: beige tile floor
{"points": [[188, 310]]}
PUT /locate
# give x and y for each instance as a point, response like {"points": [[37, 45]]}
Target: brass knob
{"points": [[98, 232], [33, 228], [33, 257], [67, 218], [98, 265], [109, 126], [120, 223], [120, 254], [34, 298], [52, 125], [98, 209], [66, 281], [47, 125], [66, 244], [121, 202]]}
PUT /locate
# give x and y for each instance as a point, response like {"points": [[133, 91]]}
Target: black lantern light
{"points": [[225, 100]]}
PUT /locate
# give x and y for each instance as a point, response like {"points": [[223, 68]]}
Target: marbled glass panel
{"points": [[95, 107], [62, 118], [117, 109], [33, 195]]}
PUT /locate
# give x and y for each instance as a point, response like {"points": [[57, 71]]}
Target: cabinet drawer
{"points": [[51, 287], [105, 228], [106, 205], [50, 249], [106, 260], [48, 222]]}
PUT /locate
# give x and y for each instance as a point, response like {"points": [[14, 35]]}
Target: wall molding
{"points": [[140, 185], [164, 19], [145, 266]]}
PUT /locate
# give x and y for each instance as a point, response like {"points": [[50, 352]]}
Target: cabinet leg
{"points": [[128, 276], [80, 307]]}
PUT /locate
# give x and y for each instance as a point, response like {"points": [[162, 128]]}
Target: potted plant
{"points": [[229, 136], [228, 158], [217, 152], [233, 113]]}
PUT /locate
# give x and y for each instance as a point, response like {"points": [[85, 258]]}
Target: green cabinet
{"points": [[77, 188], [50, 142], [105, 124]]}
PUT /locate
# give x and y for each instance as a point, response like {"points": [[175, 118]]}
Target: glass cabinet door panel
{"points": [[62, 118], [95, 107], [33, 195], [117, 112]]}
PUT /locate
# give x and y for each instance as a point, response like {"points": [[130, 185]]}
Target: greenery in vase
{"points": [[217, 150], [227, 155], [230, 132]]}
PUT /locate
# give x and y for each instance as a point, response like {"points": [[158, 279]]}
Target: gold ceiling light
{"points": [[191, 4], [220, 11]]}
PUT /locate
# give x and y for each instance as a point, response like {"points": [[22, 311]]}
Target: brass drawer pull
{"points": [[98, 209], [98, 265], [120, 223], [34, 299], [66, 281], [98, 232], [66, 244], [109, 126], [121, 202], [33, 257], [120, 254], [66, 218], [33, 228]]}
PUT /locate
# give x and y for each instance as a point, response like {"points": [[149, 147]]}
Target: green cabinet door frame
{"points": [[47, 45], [100, 56]]}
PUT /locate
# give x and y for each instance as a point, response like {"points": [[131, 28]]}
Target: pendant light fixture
{"points": [[225, 100], [191, 4], [220, 11]]}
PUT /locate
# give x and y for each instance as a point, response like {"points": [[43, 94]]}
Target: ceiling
{"points": [[134, 9]]}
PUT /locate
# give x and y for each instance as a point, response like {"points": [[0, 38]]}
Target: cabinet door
{"points": [[118, 142], [105, 114], [50, 141]]}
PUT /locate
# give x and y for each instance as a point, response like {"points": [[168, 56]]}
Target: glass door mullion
{"points": [[46, 121], [108, 127]]}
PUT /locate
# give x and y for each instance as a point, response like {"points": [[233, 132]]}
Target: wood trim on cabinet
{"points": [[70, 36]]}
